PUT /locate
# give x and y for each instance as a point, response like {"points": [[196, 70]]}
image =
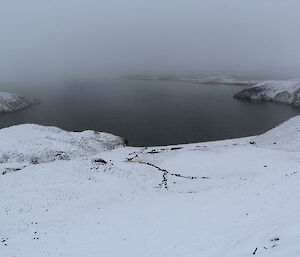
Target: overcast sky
{"points": [[69, 38]]}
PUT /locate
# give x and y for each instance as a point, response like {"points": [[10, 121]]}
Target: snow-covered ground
{"points": [[10, 102], [85, 194], [284, 91]]}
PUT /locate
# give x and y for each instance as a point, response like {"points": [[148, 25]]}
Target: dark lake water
{"points": [[148, 113]]}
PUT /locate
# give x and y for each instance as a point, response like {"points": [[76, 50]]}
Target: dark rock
{"points": [[249, 93], [100, 161], [175, 148]]}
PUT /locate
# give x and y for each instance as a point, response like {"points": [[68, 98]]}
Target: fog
{"points": [[43, 39]]}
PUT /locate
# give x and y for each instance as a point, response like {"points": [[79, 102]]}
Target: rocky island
{"points": [[283, 91], [10, 102]]}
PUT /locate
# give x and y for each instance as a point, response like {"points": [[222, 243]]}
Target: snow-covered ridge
{"points": [[10, 102], [285, 91], [37, 144], [202, 79]]}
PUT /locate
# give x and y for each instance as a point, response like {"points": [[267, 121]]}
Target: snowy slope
{"points": [[286, 91], [286, 136], [12, 102], [34, 143], [226, 198]]}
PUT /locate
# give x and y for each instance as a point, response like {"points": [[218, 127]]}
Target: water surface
{"points": [[148, 113]]}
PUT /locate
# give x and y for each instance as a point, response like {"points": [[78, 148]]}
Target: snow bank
{"points": [[34, 143], [286, 91], [12, 102]]}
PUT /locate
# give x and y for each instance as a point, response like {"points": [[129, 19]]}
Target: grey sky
{"points": [[65, 38]]}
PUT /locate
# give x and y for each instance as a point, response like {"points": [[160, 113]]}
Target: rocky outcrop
{"points": [[287, 92], [10, 102]]}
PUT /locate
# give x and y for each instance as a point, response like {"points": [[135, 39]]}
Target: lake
{"points": [[148, 113]]}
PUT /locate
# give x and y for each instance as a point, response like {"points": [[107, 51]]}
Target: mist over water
{"points": [[61, 51], [44, 40]]}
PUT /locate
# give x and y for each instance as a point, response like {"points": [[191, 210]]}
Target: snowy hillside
{"points": [[231, 198], [286, 91], [34, 143], [12, 102]]}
